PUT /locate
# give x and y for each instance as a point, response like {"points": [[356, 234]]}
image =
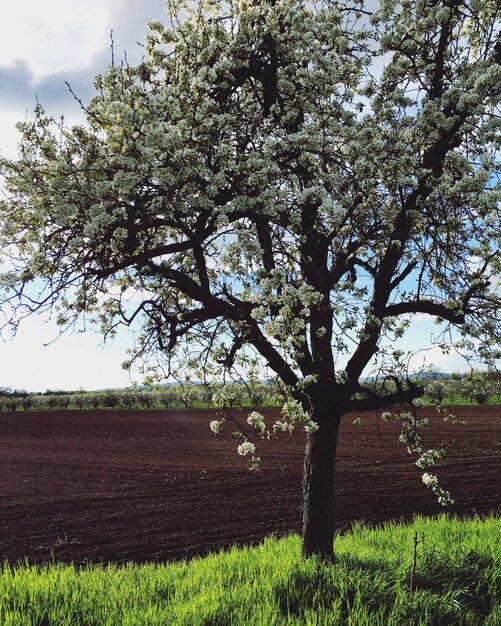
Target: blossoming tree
{"points": [[277, 179]]}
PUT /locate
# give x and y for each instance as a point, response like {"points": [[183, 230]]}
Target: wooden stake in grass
{"points": [[414, 560]]}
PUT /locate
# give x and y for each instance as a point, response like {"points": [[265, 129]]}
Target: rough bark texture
{"points": [[318, 481]]}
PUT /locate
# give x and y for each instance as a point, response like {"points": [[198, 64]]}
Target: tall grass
{"points": [[456, 582]]}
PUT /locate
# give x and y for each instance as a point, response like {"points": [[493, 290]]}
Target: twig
{"points": [[414, 560]]}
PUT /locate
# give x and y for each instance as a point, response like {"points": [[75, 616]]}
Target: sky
{"points": [[43, 44]]}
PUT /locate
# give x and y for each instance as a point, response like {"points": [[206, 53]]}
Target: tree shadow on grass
{"points": [[444, 594]]}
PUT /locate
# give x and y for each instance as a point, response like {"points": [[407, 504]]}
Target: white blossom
{"points": [[216, 426], [282, 426], [246, 448], [311, 427], [428, 458], [444, 497], [429, 479], [256, 419]]}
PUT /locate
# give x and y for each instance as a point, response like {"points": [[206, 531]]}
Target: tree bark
{"points": [[318, 486]]}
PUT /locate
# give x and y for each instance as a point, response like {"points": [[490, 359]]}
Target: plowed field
{"points": [[157, 485]]}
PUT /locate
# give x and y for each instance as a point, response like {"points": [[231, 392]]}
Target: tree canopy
{"points": [[283, 179]]}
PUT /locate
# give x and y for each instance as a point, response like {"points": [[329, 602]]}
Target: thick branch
{"points": [[214, 308], [264, 236], [141, 259], [425, 306], [373, 401], [384, 402]]}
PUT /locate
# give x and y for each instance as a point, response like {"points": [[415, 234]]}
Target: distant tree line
{"points": [[218, 395], [477, 387]]}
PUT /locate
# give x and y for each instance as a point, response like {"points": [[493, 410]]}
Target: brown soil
{"points": [[157, 485]]}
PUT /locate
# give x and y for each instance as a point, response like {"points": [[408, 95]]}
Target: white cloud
{"points": [[73, 361], [437, 359], [44, 43], [54, 34]]}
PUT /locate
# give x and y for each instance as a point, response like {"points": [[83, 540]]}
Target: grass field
{"points": [[455, 581]]}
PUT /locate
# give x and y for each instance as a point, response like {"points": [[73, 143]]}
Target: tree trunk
{"points": [[318, 486]]}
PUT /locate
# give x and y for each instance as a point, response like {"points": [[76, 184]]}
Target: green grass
{"points": [[494, 401], [456, 582]]}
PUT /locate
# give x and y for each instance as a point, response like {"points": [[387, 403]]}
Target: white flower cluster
{"points": [[308, 380], [429, 480], [281, 426], [410, 436], [311, 427], [284, 309], [443, 496], [246, 448], [428, 458], [256, 420], [294, 413], [216, 426]]}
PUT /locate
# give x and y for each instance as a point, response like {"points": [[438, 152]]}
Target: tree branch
{"points": [[425, 306]]}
